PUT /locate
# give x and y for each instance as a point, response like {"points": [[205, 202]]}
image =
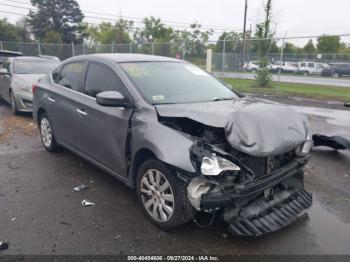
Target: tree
{"points": [[290, 48], [106, 33], [154, 31], [62, 17], [232, 44], [328, 44], [195, 40], [264, 35], [13, 33], [310, 48]]}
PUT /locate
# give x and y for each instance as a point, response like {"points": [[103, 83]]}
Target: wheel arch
{"points": [[40, 112], [140, 157]]}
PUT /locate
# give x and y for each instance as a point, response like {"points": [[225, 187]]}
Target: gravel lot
{"points": [[39, 213]]}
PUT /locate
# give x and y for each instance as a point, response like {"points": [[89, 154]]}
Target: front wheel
{"points": [[163, 196], [46, 133], [13, 104]]}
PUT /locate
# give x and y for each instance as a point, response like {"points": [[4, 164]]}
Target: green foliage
{"points": [[263, 77], [13, 33], [194, 39], [62, 17], [233, 42], [328, 44], [106, 33], [263, 45], [310, 48], [290, 48]]}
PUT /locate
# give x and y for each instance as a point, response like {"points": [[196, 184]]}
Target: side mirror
{"points": [[112, 99], [4, 71]]}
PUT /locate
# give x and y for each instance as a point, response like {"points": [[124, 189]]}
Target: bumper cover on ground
{"points": [[277, 216]]}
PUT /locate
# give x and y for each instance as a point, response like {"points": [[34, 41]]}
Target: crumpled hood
{"points": [[254, 126]]}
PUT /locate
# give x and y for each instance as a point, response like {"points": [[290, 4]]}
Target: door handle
{"points": [[51, 99], [81, 112]]}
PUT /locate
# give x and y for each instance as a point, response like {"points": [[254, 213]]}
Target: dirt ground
{"points": [[39, 213]]}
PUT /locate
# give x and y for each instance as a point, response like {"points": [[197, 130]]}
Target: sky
{"points": [[292, 17]]}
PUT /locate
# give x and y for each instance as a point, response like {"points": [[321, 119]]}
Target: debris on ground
{"points": [[86, 203], [118, 236], [80, 188], [14, 218], [4, 245], [335, 142]]}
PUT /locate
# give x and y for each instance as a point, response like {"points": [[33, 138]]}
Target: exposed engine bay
{"points": [[258, 194]]}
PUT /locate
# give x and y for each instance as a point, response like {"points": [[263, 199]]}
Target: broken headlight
{"points": [[215, 165], [305, 148]]}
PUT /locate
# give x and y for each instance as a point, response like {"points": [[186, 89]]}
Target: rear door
{"points": [[104, 130], [63, 101]]}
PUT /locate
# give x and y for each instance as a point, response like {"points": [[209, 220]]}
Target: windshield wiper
{"points": [[223, 99]]}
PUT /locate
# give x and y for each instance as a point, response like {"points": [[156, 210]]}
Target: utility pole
{"points": [[244, 32]]}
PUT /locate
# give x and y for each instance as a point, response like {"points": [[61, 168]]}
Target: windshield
{"points": [[175, 83], [35, 66]]}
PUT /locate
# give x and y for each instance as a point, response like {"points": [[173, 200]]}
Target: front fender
{"points": [[168, 145]]}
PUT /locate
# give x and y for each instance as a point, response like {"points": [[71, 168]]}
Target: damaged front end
{"points": [[249, 163], [258, 195]]}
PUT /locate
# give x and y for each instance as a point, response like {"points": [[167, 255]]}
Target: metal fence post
{"points": [[39, 48], [152, 48], [183, 51], [112, 48], [1, 47], [73, 51], [84, 51], [223, 55], [130, 48], [280, 67]]}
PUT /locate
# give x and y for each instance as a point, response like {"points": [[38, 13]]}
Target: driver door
{"points": [[103, 130]]}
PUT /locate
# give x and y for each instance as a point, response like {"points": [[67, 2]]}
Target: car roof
{"points": [[8, 53], [33, 58], [126, 57]]}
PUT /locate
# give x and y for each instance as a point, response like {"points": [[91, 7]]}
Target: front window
{"points": [[35, 66], [175, 83]]}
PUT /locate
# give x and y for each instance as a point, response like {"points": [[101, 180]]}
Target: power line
{"points": [[136, 19]]}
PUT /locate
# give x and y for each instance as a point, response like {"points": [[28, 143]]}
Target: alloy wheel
{"points": [[157, 195], [46, 132]]}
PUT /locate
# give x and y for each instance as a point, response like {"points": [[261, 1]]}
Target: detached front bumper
{"points": [[265, 216], [258, 207]]}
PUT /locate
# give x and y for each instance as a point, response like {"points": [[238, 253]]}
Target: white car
{"points": [[310, 68], [252, 66], [286, 67]]}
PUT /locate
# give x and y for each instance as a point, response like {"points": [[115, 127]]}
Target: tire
{"points": [[156, 198], [46, 133], [13, 104]]}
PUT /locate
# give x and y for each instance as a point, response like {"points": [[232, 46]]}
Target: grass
{"points": [[287, 89]]}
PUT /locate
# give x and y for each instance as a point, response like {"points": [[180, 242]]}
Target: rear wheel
{"points": [[336, 75], [163, 196], [13, 103], [46, 133]]}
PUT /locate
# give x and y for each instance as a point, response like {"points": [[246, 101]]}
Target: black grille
{"points": [[273, 219]]}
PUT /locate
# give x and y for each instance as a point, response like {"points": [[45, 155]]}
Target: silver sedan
{"points": [[17, 76]]}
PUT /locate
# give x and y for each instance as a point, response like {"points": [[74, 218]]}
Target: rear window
{"points": [[34, 67]]}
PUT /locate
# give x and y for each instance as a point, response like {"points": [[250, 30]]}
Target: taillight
{"points": [[34, 87]]}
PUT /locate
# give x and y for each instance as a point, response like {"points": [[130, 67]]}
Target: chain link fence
{"points": [[223, 59]]}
